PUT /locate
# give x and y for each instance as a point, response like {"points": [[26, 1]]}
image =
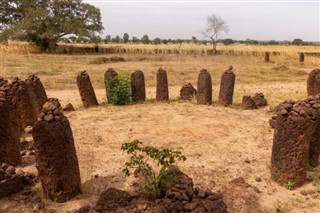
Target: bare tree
{"points": [[215, 26]]}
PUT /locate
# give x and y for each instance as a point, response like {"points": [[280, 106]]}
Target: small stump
{"points": [[290, 149], [9, 128], [37, 96], [248, 103], [187, 92], [313, 82], [227, 87], [162, 93], [110, 73], [204, 87], [56, 158], [86, 91], [138, 86]]}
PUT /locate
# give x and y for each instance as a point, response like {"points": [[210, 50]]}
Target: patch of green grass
{"points": [[289, 186]]}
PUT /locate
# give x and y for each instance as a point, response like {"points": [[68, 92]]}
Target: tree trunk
{"points": [[52, 45]]}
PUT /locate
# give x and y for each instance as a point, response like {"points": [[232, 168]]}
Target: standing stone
{"points": [[227, 87], [86, 91], [138, 86], [9, 128], [187, 92], [56, 158], [290, 149], [24, 107], [248, 103], [267, 57], [109, 74], [37, 97], [313, 82], [204, 87], [162, 93], [301, 57]]}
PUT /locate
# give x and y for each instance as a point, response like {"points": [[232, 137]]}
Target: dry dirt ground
{"points": [[221, 143]]}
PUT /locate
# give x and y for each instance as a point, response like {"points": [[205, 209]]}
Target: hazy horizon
{"points": [[183, 19]]}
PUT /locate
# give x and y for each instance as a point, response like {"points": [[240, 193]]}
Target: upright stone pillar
{"points": [[267, 57], [24, 107], [204, 87], [227, 87], [56, 158], [162, 93], [109, 74], [86, 91], [290, 150], [9, 128], [37, 96], [138, 86], [301, 57], [313, 82]]}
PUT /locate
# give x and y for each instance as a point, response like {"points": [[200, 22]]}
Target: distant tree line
{"points": [[146, 40]]}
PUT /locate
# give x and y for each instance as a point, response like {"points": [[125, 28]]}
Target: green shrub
{"points": [[119, 90], [164, 158]]}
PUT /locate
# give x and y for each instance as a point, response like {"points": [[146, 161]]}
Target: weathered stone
{"points": [[313, 82], [56, 158], [138, 86], [248, 103], [290, 149], [108, 75], [86, 91], [301, 57], [68, 107], [9, 133], [259, 100], [162, 93], [227, 87], [187, 92], [11, 186], [37, 97], [204, 88], [267, 57]]}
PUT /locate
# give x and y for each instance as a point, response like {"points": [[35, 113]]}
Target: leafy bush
{"points": [[164, 158], [119, 90]]}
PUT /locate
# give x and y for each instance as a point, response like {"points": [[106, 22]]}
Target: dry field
{"points": [[221, 143]]}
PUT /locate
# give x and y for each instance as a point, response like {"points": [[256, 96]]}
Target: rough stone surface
{"points": [[109, 74], [204, 88], [290, 150], [10, 186], [9, 127], [86, 91], [260, 100], [313, 82], [227, 87], [37, 96], [248, 103], [187, 92], [162, 93], [138, 86], [56, 158], [23, 104], [68, 107]]}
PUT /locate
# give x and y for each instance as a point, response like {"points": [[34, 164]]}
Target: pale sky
{"points": [[259, 20]]}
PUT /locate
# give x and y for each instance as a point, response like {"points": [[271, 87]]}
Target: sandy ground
{"points": [[220, 144]]}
